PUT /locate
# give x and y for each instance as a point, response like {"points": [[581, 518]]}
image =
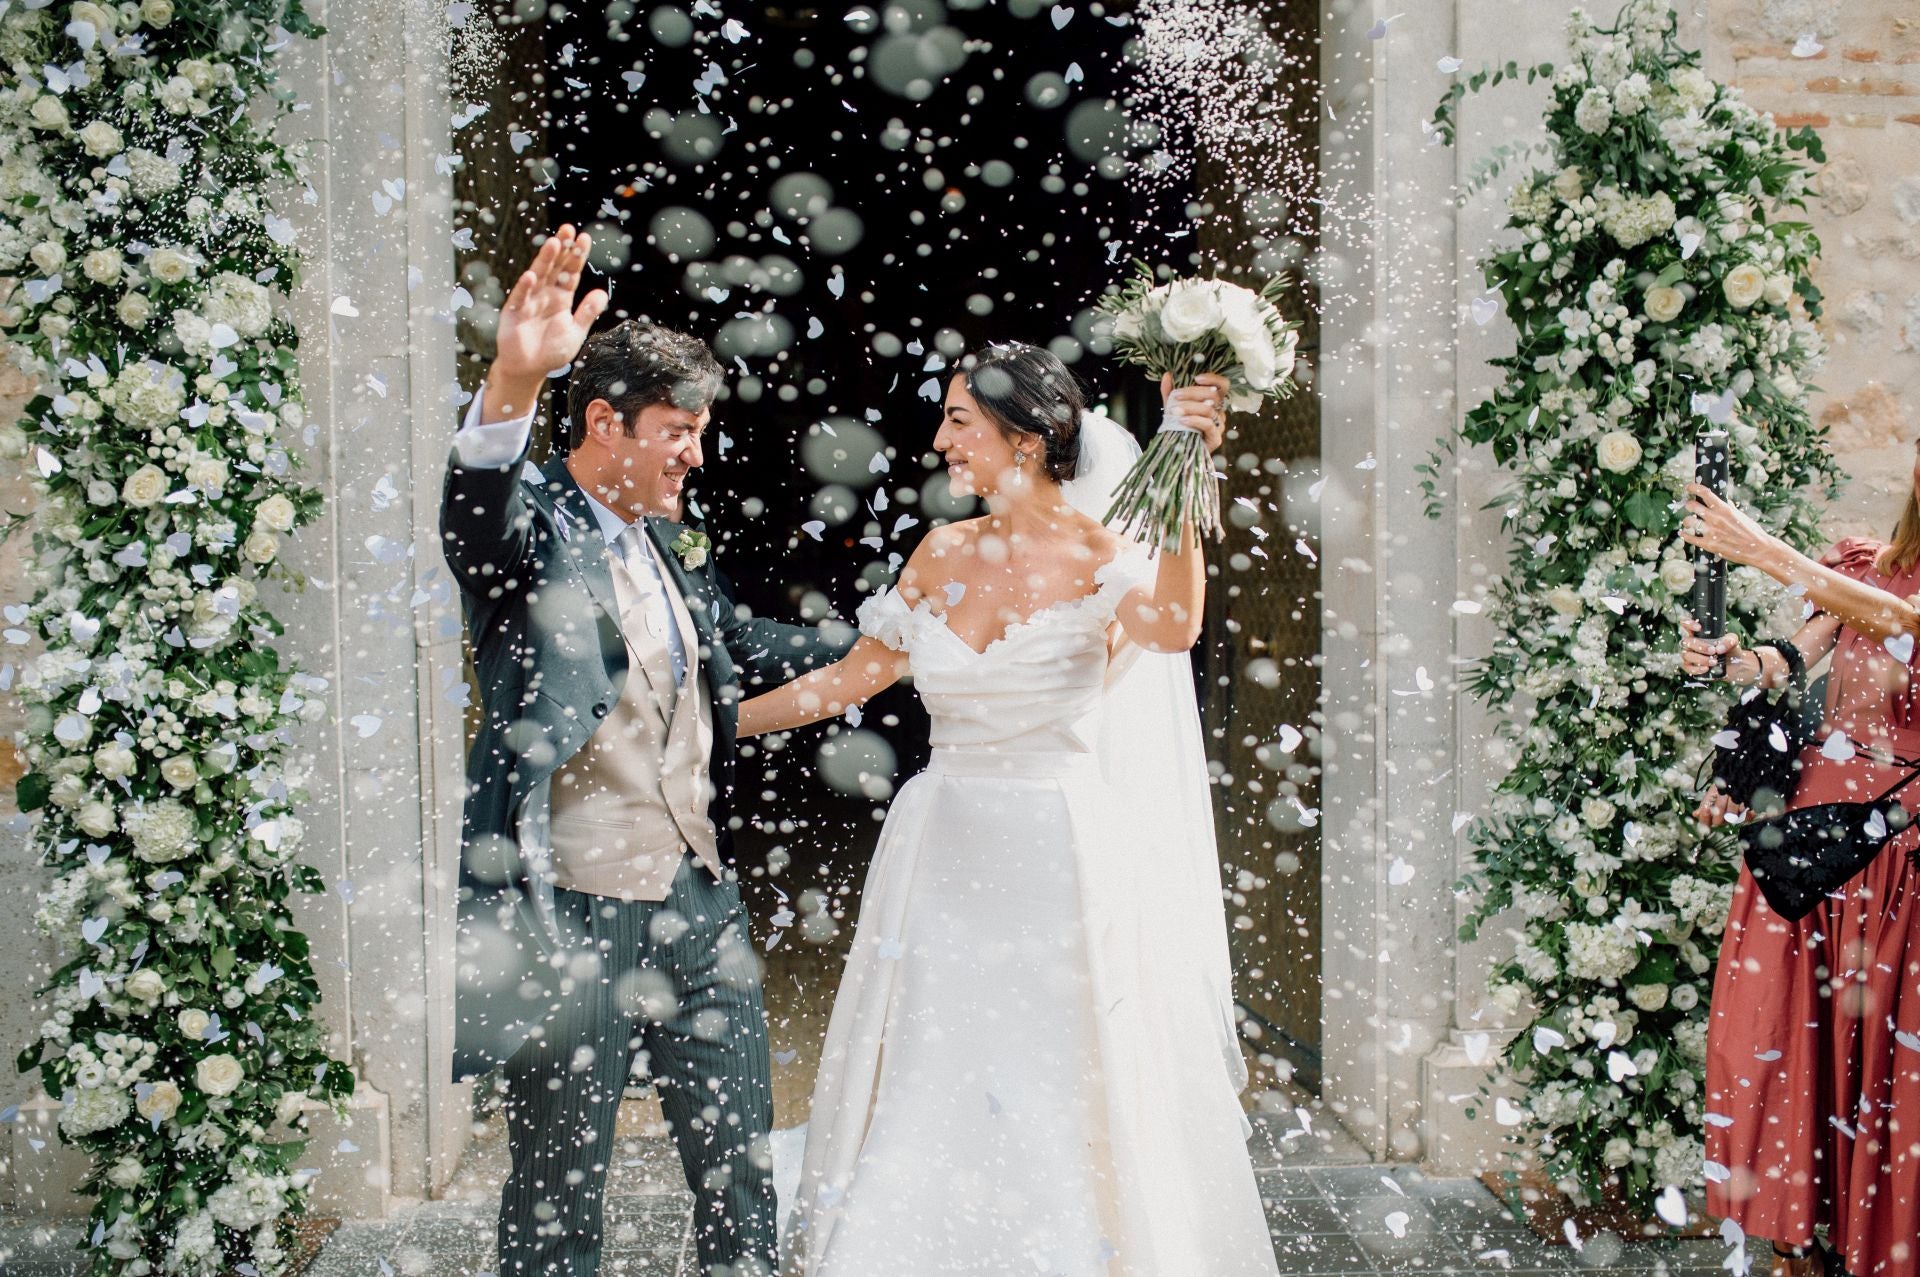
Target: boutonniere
{"points": [[692, 547]]}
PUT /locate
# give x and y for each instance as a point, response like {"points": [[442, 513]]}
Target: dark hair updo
{"points": [[1028, 391]]}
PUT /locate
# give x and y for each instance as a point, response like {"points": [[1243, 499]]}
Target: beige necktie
{"points": [[654, 611]]}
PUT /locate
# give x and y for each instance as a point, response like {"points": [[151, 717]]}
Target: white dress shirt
{"points": [[495, 444]]}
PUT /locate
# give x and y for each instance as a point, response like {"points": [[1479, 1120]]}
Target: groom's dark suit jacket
{"points": [[544, 625]]}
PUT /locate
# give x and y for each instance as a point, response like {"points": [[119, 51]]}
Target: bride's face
{"points": [[979, 457]]}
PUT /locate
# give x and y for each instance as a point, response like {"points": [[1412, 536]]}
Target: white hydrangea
{"points": [[238, 302], [148, 394], [248, 1201], [161, 831], [93, 1109], [1600, 952], [1594, 112]]}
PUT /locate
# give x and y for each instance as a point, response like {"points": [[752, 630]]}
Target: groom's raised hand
{"points": [[541, 329]]}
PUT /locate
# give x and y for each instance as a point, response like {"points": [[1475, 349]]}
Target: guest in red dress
{"points": [[1813, 1048]]}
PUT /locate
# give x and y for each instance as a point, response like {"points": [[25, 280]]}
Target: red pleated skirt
{"points": [[1813, 1051]]}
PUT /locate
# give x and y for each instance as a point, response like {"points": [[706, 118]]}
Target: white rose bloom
{"points": [[163, 1101], [49, 255], [68, 792], [101, 139], [126, 1173], [194, 1023], [289, 1105], [1677, 575], [102, 265], [170, 265], [261, 547], [1565, 600], [1257, 359], [49, 113], [134, 310], [147, 985], [274, 514], [1618, 1152], [1127, 326], [103, 21], [180, 772], [96, 819], [145, 487], [1569, 184], [1685, 997], [1617, 451], [1664, 303], [209, 474], [1192, 311], [1779, 290], [156, 13], [177, 95], [1745, 284], [219, 1074]]}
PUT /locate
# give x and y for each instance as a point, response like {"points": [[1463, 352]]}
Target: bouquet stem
{"points": [[1173, 484]]}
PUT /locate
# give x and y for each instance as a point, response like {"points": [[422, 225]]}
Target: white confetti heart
{"points": [[955, 590], [1909, 1040], [1672, 1206], [1603, 1033], [345, 308], [1477, 1045], [1715, 1172], [1461, 819], [1074, 74], [1290, 738], [93, 929], [1397, 1222], [1399, 873], [813, 528], [1620, 1067], [1507, 1113], [1545, 1040], [1837, 748], [1062, 15], [366, 724], [1900, 647], [1808, 46], [1690, 242]]}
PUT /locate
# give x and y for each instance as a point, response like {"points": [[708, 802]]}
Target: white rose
{"points": [[49, 255], [261, 547], [126, 1173], [1618, 1152], [96, 819], [1779, 290], [209, 474], [134, 310], [101, 139], [147, 985], [1127, 327], [1664, 304], [1565, 601], [1617, 451], [177, 95], [289, 1105], [1569, 184], [145, 487], [170, 265], [1677, 575], [163, 1101], [102, 265], [103, 21], [1745, 284], [219, 1074], [68, 791], [199, 73], [1597, 812], [156, 13], [180, 772], [115, 761], [1648, 997], [49, 113], [695, 558], [1192, 311], [194, 1023], [274, 514]]}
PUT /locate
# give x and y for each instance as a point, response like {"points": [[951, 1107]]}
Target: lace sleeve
{"points": [[886, 617]]}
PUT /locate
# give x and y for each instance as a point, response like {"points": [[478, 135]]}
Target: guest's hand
{"points": [[540, 327], [1720, 528], [1201, 407], [1698, 655], [1717, 809]]}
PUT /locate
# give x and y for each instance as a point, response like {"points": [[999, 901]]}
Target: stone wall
{"points": [[1857, 81]]}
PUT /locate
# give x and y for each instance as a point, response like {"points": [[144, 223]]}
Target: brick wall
{"points": [[1861, 89]]}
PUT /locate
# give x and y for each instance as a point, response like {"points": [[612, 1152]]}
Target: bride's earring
{"points": [[1019, 457]]}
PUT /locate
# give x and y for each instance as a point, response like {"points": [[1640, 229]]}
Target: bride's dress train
{"points": [[1031, 1065]]}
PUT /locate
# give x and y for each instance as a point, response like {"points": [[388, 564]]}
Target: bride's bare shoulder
{"points": [[935, 559]]}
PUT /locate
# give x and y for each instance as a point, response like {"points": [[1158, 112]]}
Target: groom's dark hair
{"points": [[1028, 391], [635, 365]]}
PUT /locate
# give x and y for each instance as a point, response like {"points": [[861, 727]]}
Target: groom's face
{"points": [[643, 470]]}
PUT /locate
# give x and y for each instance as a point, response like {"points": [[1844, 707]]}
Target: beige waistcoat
{"points": [[633, 801]]}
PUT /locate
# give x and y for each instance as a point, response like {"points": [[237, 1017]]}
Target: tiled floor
{"points": [[1330, 1213]]}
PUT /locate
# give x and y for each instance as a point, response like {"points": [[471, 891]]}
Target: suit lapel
{"points": [[699, 600], [583, 541]]}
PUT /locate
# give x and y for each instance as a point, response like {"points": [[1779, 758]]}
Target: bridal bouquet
{"points": [[1188, 327]]}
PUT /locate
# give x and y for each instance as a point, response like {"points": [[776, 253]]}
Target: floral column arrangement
{"points": [[1656, 281], [137, 160]]}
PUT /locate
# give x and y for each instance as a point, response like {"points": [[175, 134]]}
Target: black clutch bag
{"points": [[1756, 756], [1797, 858]]}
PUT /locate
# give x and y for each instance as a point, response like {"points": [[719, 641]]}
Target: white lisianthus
{"points": [[275, 514], [145, 487], [170, 265], [1617, 451], [194, 1023], [180, 772], [147, 985], [289, 1105], [261, 547], [1745, 284], [1664, 303], [102, 265], [1192, 311], [162, 1101], [219, 1074], [1779, 290], [101, 139], [1569, 184], [1565, 600], [96, 819], [134, 310]]}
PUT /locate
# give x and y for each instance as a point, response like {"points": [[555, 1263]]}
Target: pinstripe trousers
{"points": [[678, 981]]}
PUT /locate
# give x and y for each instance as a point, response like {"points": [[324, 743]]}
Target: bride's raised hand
{"points": [[541, 328], [1201, 406]]}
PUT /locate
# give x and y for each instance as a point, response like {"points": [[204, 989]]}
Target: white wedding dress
{"points": [[1031, 1066]]}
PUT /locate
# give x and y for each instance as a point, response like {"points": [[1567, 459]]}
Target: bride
{"points": [[1031, 1065]]}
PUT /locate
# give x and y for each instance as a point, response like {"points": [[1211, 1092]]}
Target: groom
{"points": [[598, 918]]}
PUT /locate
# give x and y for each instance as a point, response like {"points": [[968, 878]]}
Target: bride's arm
{"points": [[863, 673], [1167, 616]]}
